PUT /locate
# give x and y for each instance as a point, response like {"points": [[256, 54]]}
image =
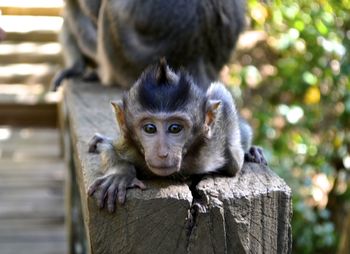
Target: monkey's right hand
{"points": [[107, 189]]}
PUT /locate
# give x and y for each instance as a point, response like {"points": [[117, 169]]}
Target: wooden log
{"points": [[249, 213]]}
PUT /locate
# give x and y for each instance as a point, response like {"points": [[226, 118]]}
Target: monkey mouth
{"points": [[163, 171]]}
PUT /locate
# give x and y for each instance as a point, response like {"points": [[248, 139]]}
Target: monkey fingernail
{"points": [[138, 183], [121, 197], [111, 208]]}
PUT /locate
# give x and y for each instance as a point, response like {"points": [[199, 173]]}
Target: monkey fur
{"points": [[170, 127], [198, 35], [78, 38]]}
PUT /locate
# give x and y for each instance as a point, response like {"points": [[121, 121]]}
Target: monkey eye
{"points": [[149, 128], [175, 128]]}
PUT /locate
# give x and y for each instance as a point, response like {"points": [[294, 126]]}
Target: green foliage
{"points": [[297, 91]]}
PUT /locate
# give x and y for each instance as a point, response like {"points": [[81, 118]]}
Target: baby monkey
{"points": [[169, 126]]}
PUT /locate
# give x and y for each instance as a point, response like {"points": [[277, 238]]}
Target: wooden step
{"points": [[30, 115], [32, 11], [27, 93], [31, 28], [33, 7], [32, 3], [55, 247], [11, 23], [28, 73], [36, 137], [53, 233], [34, 36], [30, 52]]}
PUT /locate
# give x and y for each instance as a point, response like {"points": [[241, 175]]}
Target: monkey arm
{"points": [[118, 174]]}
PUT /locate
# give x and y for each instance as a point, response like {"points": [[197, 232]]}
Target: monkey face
{"points": [[162, 137]]}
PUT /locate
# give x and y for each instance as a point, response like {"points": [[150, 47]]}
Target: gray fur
{"points": [[198, 35], [213, 139], [78, 38]]}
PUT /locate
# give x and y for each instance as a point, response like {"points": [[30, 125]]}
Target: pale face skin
{"points": [[163, 136]]}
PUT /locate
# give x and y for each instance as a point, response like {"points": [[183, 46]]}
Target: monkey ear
{"points": [[210, 115], [162, 71], [118, 107]]}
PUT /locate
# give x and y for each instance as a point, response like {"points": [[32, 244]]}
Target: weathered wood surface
{"points": [[249, 213], [31, 193]]}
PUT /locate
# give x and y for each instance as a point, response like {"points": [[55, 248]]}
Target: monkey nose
{"points": [[163, 155]]}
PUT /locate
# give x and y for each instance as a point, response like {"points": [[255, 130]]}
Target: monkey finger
{"points": [[111, 197], [137, 183], [94, 186], [101, 194], [121, 193]]}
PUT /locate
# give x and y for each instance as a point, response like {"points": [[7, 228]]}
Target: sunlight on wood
{"points": [[25, 24], [32, 3], [5, 133], [23, 69], [51, 48], [27, 93]]}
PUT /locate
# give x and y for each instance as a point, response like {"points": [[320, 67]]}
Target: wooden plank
{"points": [[24, 185], [9, 167], [33, 248], [31, 194], [20, 194], [27, 73], [47, 137], [37, 234], [33, 208], [247, 213], [29, 223], [33, 36], [32, 3], [32, 11], [30, 115], [23, 153], [32, 57], [31, 52], [30, 23]]}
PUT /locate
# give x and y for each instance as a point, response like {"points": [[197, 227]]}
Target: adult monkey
{"points": [[198, 35]]}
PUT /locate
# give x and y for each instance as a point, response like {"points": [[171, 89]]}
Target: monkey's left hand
{"points": [[107, 189]]}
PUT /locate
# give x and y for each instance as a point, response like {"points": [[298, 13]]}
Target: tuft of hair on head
{"points": [[162, 72], [160, 89]]}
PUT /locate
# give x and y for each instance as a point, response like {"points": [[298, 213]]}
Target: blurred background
{"points": [[290, 75]]}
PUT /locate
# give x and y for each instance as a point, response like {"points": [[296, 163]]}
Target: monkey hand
{"points": [[255, 155], [107, 189]]}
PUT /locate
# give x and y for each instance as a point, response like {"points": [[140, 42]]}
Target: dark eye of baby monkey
{"points": [[149, 128], [152, 129], [175, 128]]}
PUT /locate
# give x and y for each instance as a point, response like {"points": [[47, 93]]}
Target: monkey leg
{"points": [[255, 155], [112, 187]]}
